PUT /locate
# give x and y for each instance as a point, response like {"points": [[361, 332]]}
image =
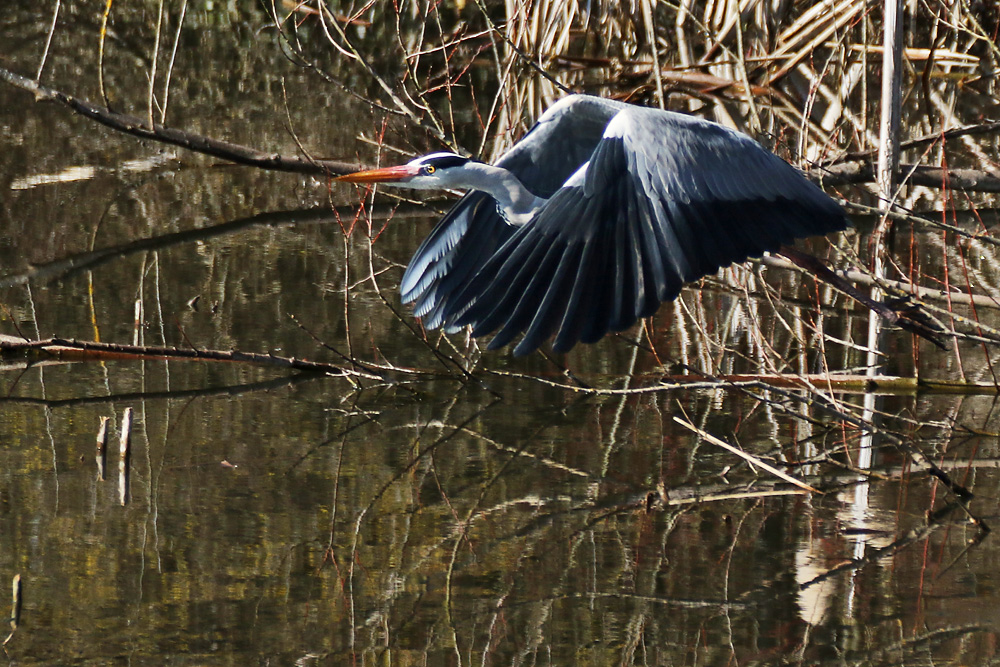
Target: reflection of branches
{"points": [[522, 452], [746, 456], [67, 266], [417, 458], [476, 513], [817, 399], [339, 437], [881, 553], [72, 264], [680, 603], [902, 652]]}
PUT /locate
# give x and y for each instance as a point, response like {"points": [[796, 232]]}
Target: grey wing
{"points": [[665, 200], [460, 244]]}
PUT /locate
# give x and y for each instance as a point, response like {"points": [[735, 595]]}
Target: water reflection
{"points": [[424, 523], [430, 517]]}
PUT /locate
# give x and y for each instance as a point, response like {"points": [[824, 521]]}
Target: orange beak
{"points": [[386, 175]]}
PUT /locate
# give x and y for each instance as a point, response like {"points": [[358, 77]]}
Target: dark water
{"points": [[278, 518]]}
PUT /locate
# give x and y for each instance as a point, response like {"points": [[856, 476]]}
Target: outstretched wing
{"points": [[664, 200], [561, 141]]}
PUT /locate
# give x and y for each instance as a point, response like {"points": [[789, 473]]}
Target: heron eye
{"points": [[429, 169]]}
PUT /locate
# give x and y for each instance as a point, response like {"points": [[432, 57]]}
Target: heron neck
{"points": [[516, 202]]}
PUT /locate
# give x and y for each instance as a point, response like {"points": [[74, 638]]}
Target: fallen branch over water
{"points": [[138, 127], [919, 291], [854, 171], [973, 180], [64, 349], [70, 350]]}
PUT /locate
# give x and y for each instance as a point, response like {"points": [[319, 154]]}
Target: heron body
{"points": [[601, 212]]}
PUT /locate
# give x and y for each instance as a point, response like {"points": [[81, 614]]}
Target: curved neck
{"points": [[514, 200]]}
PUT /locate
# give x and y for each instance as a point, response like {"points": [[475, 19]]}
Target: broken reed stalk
{"points": [[15, 607], [125, 449], [888, 158], [15, 602], [102, 448]]}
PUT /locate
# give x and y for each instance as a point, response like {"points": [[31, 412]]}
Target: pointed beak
{"points": [[386, 175]]}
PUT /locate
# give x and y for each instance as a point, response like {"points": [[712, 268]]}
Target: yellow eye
{"points": [[429, 169]]}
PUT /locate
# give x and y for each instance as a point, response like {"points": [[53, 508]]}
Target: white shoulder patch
{"points": [[619, 125]]}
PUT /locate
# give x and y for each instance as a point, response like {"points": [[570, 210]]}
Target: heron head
{"points": [[430, 172]]}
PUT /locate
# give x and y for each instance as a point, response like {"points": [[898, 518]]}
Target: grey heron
{"points": [[600, 213]]}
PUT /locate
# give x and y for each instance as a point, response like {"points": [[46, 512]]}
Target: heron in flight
{"points": [[600, 213]]}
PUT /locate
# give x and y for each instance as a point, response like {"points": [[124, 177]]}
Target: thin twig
{"points": [[749, 458]]}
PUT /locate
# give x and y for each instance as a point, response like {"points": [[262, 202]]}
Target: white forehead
{"points": [[423, 159]]}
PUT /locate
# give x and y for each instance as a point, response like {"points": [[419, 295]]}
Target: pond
{"points": [[432, 502]]}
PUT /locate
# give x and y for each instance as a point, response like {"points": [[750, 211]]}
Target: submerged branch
{"points": [[875, 555], [231, 391], [69, 350]]}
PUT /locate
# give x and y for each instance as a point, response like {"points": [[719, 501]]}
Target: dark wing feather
{"points": [[473, 229], [664, 200], [455, 250]]}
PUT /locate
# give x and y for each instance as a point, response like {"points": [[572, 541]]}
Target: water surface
{"points": [[424, 517]]}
